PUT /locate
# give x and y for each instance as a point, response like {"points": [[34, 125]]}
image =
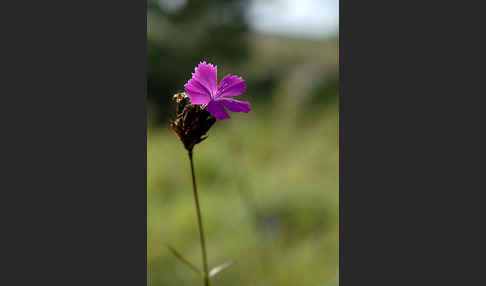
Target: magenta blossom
{"points": [[203, 88]]}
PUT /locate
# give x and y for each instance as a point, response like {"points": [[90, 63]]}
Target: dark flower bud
{"points": [[192, 121]]}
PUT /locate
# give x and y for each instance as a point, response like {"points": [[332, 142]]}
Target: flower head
{"points": [[203, 88]]}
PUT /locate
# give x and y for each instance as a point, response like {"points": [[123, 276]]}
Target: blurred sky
{"points": [[301, 18]]}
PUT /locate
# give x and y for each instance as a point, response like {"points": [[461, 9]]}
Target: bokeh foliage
{"points": [[269, 199]]}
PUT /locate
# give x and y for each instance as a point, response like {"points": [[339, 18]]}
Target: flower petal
{"points": [[203, 85], [234, 105], [231, 85], [217, 110], [207, 75], [197, 93]]}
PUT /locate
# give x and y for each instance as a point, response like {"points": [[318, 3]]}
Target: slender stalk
{"points": [[199, 222]]}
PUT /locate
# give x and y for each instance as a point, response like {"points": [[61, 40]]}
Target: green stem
{"points": [[199, 221]]}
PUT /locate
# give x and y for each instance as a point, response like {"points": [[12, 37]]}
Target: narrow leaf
{"points": [[219, 268], [181, 258]]}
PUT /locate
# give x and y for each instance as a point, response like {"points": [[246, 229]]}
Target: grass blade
{"points": [[181, 258], [219, 268]]}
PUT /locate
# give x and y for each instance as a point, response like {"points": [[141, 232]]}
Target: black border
{"points": [[399, 133], [74, 143]]}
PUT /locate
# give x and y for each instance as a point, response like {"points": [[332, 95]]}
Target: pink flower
{"points": [[203, 88]]}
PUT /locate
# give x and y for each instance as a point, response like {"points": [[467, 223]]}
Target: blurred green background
{"points": [[267, 180]]}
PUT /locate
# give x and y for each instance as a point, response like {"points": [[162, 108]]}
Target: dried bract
{"points": [[192, 121]]}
